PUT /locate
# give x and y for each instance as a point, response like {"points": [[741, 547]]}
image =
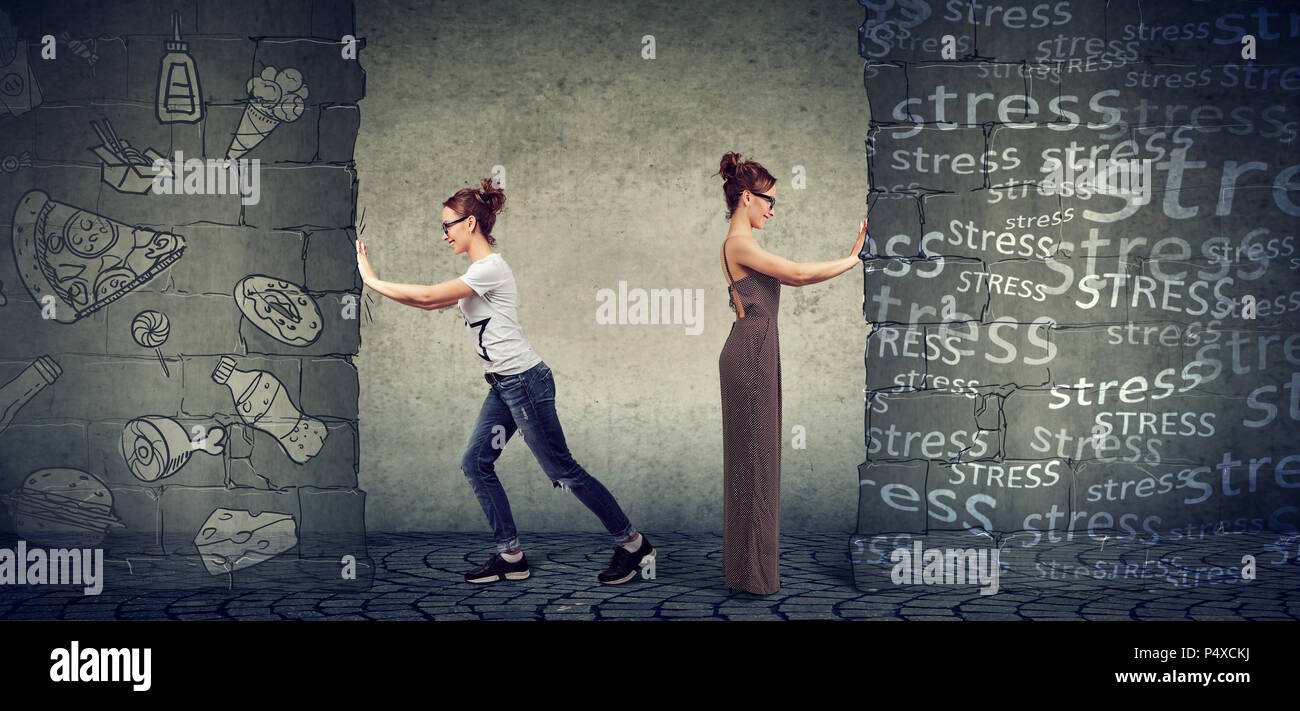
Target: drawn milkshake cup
{"points": [[264, 404], [17, 392], [156, 447]]}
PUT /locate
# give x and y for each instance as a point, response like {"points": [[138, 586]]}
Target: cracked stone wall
{"points": [[1054, 354], [184, 358]]}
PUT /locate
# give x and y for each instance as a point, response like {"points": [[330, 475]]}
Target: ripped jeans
{"points": [[526, 402]]}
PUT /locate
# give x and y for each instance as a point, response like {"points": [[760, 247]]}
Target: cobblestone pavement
{"points": [[419, 576]]}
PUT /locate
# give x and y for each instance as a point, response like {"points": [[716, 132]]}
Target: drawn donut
{"points": [[280, 309]]}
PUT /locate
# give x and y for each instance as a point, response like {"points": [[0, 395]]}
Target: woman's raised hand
{"points": [[363, 263], [862, 237]]}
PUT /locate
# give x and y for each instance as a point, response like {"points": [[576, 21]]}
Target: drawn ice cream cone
{"points": [[274, 97], [254, 127]]}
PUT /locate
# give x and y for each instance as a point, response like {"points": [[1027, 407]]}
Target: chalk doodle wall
{"points": [[1083, 270], [179, 309]]}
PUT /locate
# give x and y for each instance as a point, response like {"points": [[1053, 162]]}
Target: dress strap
{"points": [[732, 294]]}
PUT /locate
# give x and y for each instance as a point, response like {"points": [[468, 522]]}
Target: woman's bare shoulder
{"points": [[732, 246]]}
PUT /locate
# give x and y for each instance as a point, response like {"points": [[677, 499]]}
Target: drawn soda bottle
{"points": [[264, 404], [178, 99], [17, 392]]}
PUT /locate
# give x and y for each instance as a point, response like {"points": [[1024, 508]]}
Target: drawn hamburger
{"points": [[62, 507]]}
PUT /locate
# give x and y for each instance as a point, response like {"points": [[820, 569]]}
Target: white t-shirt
{"points": [[491, 318]]}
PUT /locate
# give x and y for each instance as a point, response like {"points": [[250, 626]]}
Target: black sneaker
{"points": [[624, 566], [498, 568]]}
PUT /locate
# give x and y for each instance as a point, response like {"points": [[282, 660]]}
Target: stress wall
{"points": [[1083, 271]]}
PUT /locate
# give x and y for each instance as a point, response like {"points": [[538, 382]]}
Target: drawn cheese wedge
{"points": [[232, 540]]}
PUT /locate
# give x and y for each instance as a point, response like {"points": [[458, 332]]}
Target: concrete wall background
{"points": [[608, 160]]}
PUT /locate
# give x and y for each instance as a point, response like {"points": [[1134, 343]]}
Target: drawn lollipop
{"points": [[150, 329]]}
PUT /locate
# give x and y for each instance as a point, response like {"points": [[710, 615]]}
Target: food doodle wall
{"points": [[180, 298], [1083, 273]]}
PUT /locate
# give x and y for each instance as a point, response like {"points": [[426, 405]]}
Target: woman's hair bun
{"points": [[492, 194], [727, 168]]}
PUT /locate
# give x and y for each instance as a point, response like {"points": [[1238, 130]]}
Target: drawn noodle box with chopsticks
{"points": [[85, 260], [123, 167]]}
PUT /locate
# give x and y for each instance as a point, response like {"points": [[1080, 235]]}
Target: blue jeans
{"points": [[526, 402]]}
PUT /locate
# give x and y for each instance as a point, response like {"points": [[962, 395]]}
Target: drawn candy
{"points": [[150, 329]]}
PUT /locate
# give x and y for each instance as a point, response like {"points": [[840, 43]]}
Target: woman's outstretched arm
{"points": [[754, 257], [421, 296]]}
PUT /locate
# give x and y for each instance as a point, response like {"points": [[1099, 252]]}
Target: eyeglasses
{"points": [[771, 201], [445, 225]]}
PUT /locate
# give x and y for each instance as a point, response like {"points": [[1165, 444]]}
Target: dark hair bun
{"points": [[492, 194], [727, 168]]}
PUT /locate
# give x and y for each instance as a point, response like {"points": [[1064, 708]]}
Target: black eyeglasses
{"points": [[771, 201], [445, 225]]}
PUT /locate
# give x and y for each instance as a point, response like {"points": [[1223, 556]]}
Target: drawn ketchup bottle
{"points": [[178, 99]]}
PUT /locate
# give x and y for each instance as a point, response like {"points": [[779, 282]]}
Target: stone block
{"points": [[338, 130], [186, 508], [330, 388], [891, 497], [929, 425], [333, 522], [335, 465], [197, 324], [217, 257], [286, 192]]}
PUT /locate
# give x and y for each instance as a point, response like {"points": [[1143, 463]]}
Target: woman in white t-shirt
{"points": [[521, 394]]}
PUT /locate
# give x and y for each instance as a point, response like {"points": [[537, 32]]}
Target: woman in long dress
{"points": [[750, 372]]}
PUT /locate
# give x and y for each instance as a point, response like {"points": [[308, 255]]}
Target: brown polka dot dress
{"points": [[750, 372]]}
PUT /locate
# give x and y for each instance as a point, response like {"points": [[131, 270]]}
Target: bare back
{"points": [[738, 271]]}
